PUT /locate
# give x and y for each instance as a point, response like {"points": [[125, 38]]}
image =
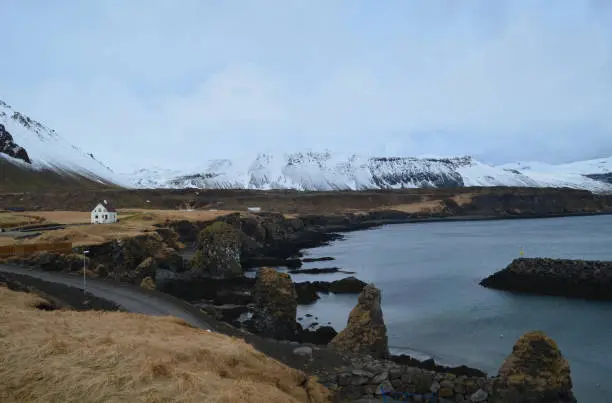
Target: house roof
{"points": [[109, 207]]}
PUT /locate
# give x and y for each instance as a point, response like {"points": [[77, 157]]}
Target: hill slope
{"points": [[68, 356], [34, 156]]}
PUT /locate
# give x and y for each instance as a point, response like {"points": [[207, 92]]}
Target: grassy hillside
{"points": [[15, 178], [93, 356], [484, 200]]}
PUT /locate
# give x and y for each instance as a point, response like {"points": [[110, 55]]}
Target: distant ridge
{"points": [[319, 171]]}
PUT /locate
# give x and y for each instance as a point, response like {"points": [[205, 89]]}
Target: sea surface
{"points": [[434, 307]]}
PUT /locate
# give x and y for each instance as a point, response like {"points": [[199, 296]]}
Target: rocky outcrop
{"points": [[308, 290], [148, 283], [365, 332], [10, 148], [218, 254], [563, 277], [51, 261], [535, 371], [275, 305]]}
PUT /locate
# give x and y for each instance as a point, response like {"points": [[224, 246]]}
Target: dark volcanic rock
{"points": [[121, 258], [563, 277], [324, 270], [218, 253], [275, 305], [306, 293], [262, 261], [348, 285], [307, 290], [317, 259], [321, 336], [10, 148], [51, 261]]}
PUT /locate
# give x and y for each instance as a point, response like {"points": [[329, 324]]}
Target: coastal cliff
{"points": [[562, 277]]}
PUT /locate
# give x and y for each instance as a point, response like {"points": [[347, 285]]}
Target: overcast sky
{"points": [[172, 83]]}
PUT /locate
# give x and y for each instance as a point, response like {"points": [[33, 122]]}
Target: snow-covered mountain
{"points": [[29, 145], [327, 171]]}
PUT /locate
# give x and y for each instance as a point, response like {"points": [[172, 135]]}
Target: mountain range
{"points": [[33, 155]]}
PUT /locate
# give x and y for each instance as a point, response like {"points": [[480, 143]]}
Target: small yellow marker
{"points": [[522, 253]]}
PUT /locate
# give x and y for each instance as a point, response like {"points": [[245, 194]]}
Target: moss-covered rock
{"points": [[365, 332], [218, 253], [148, 283], [275, 305], [534, 371]]}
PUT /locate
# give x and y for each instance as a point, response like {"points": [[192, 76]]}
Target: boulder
{"points": [[365, 332], [348, 285], [275, 305], [534, 371], [306, 293], [218, 253], [148, 283], [146, 268], [321, 336]]}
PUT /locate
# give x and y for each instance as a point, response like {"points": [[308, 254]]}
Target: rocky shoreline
{"points": [[226, 247], [560, 277]]}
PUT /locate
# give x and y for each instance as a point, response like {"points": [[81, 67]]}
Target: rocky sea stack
{"points": [[535, 371], [365, 332], [563, 277], [218, 253], [275, 305]]}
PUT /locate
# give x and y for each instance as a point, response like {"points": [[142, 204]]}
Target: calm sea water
{"points": [[434, 307]]}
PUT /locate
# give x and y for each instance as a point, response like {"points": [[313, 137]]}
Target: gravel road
{"points": [[131, 298]]}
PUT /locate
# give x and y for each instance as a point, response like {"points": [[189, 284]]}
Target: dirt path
{"points": [[131, 298]]}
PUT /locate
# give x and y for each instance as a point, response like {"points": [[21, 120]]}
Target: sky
{"points": [[172, 83]]}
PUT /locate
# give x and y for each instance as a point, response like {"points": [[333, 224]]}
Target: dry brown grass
{"points": [[132, 222], [175, 215], [68, 356], [462, 199], [423, 206], [10, 219]]}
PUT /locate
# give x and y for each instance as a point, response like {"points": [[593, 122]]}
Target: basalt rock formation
{"points": [[535, 371], [10, 148], [218, 253], [275, 305], [307, 291], [365, 332], [563, 277]]}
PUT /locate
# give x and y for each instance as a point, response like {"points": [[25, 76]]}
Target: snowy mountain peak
{"points": [[330, 171], [29, 143]]}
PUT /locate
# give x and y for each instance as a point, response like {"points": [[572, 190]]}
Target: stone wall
{"points": [[367, 377]]}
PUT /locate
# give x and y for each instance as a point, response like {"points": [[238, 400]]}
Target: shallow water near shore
{"points": [[434, 307]]}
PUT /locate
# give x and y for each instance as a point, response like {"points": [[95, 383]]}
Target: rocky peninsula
{"points": [[561, 277]]}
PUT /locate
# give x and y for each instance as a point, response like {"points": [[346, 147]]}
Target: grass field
{"points": [[69, 356], [132, 222], [136, 221]]}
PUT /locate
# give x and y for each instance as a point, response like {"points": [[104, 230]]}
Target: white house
{"points": [[103, 213]]}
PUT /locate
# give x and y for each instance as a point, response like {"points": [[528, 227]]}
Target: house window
{"points": [[106, 216]]}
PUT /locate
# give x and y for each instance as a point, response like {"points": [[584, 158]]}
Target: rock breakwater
{"points": [[562, 277]]}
